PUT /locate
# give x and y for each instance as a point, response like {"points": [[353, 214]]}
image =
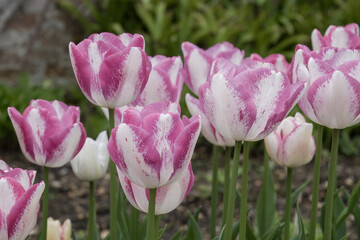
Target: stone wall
{"points": [[34, 37]]}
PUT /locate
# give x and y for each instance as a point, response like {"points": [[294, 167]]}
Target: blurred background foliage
{"points": [[257, 26]]}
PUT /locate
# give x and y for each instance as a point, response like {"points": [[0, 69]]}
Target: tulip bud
{"points": [[92, 161], [56, 231], [291, 144]]}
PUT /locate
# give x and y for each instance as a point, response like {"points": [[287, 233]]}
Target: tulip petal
{"points": [[299, 146], [23, 216], [339, 94]]}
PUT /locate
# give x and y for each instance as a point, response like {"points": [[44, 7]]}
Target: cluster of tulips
{"points": [[236, 100]]}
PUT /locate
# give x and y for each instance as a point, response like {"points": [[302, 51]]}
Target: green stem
{"points": [[134, 216], [113, 186], [150, 230], [214, 191], [331, 184], [244, 189], [316, 181], [156, 227], [232, 191], [226, 185], [287, 215], [45, 204], [92, 212]]}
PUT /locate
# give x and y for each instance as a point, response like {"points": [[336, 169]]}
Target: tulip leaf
{"points": [[265, 205], [339, 206], [296, 193], [355, 212], [273, 232], [177, 235], [193, 231], [221, 236], [162, 231], [302, 234], [352, 201]]}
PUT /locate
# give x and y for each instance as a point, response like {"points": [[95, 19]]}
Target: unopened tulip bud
{"points": [[56, 231], [291, 144], [93, 160]]}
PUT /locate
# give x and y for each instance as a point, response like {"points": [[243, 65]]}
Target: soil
{"points": [[68, 195]]}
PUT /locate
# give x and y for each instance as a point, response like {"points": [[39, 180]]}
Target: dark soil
{"points": [[68, 195]]}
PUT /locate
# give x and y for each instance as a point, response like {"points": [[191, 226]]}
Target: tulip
{"points": [[247, 102], [56, 231], [25, 177], [111, 70], [291, 144], [278, 60], [92, 161], [49, 133], [165, 81], [197, 62], [332, 97], [207, 128], [19, 202], [153, 146], [338, 37], [168, 197]]}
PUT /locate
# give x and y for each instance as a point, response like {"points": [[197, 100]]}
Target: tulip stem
{"points": [[92, 212], [134, 215], [156, 226], [287, 214], [232, 191], [150, 230], [331, 184], [214, 191], [226, 184], [316, 181], [244, 189], [45, 204], [113, 186]]}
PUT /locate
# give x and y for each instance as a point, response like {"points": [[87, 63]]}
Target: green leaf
{"points": [[302, 234], [265, 205], [339, 206], [272, 233], [352, 202], [177, 235], [193, 232], [296, 193], [162, 231]]}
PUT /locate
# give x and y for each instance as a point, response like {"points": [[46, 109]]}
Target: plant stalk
{"points": [[92, 212], [150, 230], [45, 204], [226, 184], [331, 184], [214, 191], [113, 186], [244, 190], [287, 215], [232, 191], [316, 182]]}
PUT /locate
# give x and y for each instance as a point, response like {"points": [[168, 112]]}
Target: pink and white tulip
{"points": [[58, 231], [92, 162], [291, 144], [207, 128], [197, 62], [20, 203], [337, 37], [165, 81], [333, 76], [25, 177], [278, 60], [153, 146], [246, 103], [49, 133], [111, 70], [168, 197]]}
